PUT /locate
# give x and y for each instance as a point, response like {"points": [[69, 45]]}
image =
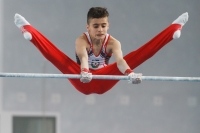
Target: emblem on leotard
{"points": [[95, 63]]}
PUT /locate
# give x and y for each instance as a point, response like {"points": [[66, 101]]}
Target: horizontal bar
{"points": [[107, 77]]}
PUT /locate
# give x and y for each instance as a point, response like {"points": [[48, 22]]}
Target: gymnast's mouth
{"points": [[100, 35]]}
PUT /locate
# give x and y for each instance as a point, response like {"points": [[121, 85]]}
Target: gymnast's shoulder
{"points": [[113, 42]]}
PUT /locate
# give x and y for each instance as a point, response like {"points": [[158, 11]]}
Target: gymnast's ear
{"points": [[87, 27]]}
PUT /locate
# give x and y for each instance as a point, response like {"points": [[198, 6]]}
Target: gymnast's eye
{"points": [[96, 26]]}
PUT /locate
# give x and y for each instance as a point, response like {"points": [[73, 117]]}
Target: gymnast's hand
{"points": [[86, 76], [134, 78]]}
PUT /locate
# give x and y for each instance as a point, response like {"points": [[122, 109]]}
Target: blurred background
{"points": [[55, 106]]}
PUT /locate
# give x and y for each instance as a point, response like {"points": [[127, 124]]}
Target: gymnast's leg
{"points": [[55, 56], [49, 51], [145, 52]]}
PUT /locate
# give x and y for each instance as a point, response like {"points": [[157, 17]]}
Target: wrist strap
{"points": [[128, 71], [85, 70]]}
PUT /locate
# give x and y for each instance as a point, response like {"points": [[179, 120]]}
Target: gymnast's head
{"points": [[97, 21]]}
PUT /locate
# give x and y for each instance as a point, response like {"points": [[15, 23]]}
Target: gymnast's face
{"points": [[98, 27]]}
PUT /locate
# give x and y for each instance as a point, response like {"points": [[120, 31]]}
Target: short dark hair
{"points": [[97, 12]]}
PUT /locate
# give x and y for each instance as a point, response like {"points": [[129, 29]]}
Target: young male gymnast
{"points": [[94, 49]]}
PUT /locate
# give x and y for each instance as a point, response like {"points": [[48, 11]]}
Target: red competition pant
{"points": [[68, 66]]}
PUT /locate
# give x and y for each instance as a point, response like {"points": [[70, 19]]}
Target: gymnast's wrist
{"points": [[85, 70], [128, 71]]}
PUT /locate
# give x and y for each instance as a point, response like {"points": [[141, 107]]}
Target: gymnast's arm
{"points": [[117, 53], [81, 51], [122, 64]]}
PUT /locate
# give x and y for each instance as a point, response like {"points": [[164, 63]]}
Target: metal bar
{"points": [[107, 77]]}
